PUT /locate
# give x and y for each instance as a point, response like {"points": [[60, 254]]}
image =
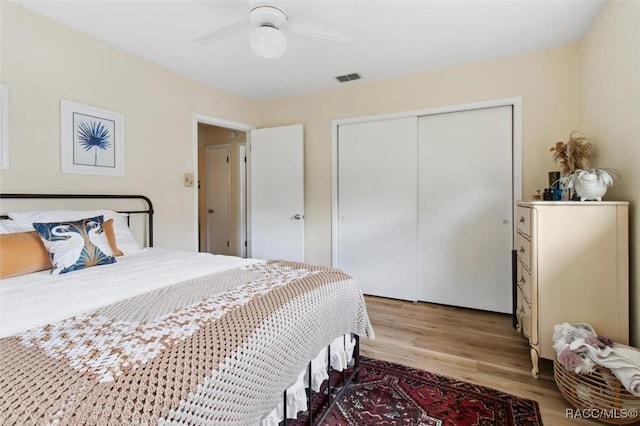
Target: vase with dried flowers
{"points": [[573, 154], [574, 159]]}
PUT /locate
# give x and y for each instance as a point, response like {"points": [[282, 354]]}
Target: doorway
{"points": [[222, 219], [246, 211]]}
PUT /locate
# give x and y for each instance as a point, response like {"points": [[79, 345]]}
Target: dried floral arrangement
{"points": [[573, 154]]}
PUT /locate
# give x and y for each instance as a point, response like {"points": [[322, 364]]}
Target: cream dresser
{"points": [[573, 266]]}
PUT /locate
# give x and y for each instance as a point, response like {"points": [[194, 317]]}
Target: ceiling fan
{"points": [[266, 24]]}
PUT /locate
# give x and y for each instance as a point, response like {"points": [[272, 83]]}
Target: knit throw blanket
{"points": [[578, 348], [214, 350]]}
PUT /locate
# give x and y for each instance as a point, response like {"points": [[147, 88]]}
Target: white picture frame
{"points": [[4, 127], [91, 140]]}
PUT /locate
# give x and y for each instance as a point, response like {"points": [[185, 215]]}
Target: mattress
{"points": [[41, 298]]}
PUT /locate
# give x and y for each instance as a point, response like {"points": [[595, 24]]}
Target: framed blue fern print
{"points": [[92, 140]]}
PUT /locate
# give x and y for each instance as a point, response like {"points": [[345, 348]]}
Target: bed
{"points": [[157, 336]]}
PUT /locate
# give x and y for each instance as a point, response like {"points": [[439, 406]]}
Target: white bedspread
{"points": [[38, 299]]}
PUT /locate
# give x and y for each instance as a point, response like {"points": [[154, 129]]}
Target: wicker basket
{"points": [[600, 392]]}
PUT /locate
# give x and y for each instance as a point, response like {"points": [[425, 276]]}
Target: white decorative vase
{"points": [[590, 186]]}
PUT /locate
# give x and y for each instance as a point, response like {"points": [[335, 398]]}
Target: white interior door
{"points": [[465, 208], [276, 199], [218, 181], [377, 206]]}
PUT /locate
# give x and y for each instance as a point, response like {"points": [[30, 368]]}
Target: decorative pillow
{"points": [[22, 253], [127, 243], [111, 237], [75, 245]]}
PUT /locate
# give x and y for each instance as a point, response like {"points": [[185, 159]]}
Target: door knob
{"points": [[505, 222], [298, 217]]}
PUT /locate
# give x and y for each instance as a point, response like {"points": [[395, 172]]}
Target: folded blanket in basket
{"points": [[579, 348]]}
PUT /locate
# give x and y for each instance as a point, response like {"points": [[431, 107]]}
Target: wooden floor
{"points": [[475, 346]]}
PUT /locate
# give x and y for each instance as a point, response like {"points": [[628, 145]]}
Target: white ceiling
{"points": [[392, 38]]}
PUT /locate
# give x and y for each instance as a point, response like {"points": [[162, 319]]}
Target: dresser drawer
{"points": [[524, 282], [523, 247], [523, 220], [524, 315]]}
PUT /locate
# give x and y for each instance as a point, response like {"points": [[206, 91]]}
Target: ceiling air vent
{"points": [[348, 77]]}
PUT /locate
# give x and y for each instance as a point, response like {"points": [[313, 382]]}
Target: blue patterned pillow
{"points": [[75, 245]]}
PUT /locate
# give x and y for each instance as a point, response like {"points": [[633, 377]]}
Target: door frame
{"points": [[191, 166], [228, 177], [516, 160]]}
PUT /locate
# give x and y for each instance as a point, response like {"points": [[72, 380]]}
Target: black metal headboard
{"points": [[148, 211]]}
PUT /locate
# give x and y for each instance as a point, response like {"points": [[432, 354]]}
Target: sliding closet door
{"points": [[465, 208], [377, 206]]}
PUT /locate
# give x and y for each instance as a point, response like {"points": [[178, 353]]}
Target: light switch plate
{"points": [[188, 180]]}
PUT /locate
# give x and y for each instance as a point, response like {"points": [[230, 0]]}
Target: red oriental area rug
{"points": [[392, 394]]}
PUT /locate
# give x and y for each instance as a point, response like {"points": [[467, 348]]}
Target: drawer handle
{"points": [[522, 249], [522, 219], [522, 280]]}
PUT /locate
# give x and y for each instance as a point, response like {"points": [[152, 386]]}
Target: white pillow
{"points": [[124, 238], [8, 226]]}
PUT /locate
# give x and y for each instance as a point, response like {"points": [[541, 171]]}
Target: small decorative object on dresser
{"points": [[578, 178], [572, 266], [573, 154], [591, 184]]}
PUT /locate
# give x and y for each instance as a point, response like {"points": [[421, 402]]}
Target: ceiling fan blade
{"points": [[320, 29], [221, 33]]}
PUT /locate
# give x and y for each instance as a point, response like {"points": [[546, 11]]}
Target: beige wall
{"points": [[547, 82], [1, 38], [41, 64], [610, 114], [43, 61]]}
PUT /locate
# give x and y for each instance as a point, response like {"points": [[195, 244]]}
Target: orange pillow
{"points": [[111, 237], [22, 253]]}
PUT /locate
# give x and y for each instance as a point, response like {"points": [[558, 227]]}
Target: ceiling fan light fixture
{"points": [[268, 42]]}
